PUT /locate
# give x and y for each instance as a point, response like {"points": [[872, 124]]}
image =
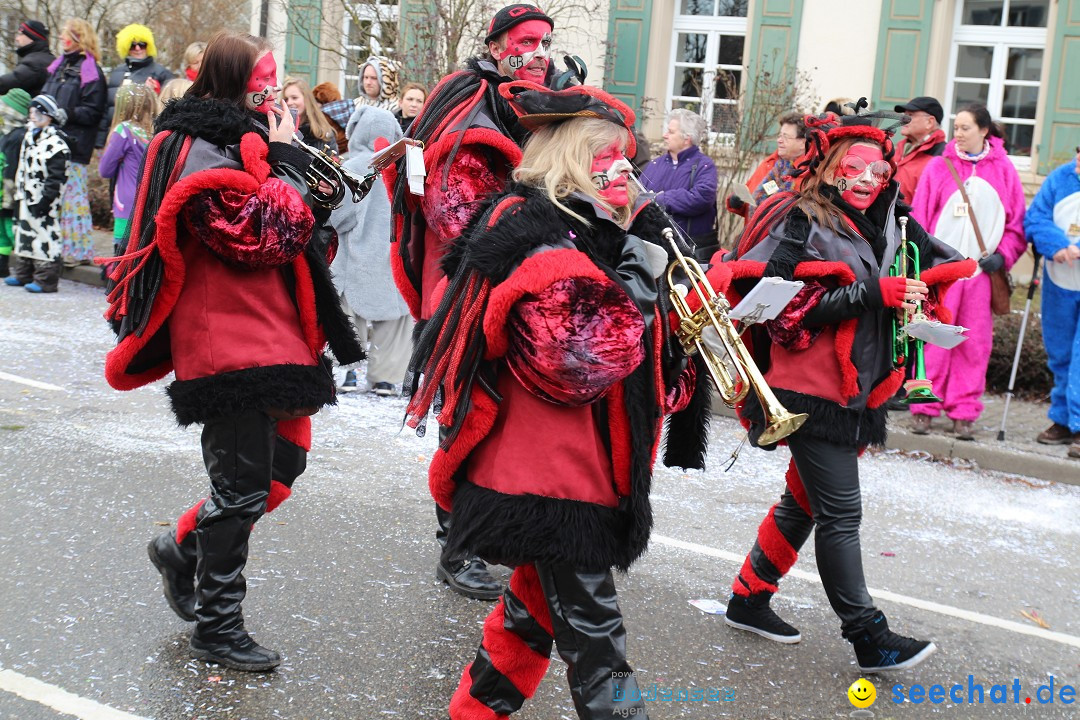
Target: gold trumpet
{"points": [[735, 382]]}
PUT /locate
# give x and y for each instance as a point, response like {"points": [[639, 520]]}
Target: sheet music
{"points": [[936, 333], [768, 298]]}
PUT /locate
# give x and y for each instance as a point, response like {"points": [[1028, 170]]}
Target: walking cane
{"points": [[1020, 342]]}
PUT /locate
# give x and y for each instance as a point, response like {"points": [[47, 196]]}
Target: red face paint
{"points": [[861, 175], [262, 84], [612, 189], [527, 48]]}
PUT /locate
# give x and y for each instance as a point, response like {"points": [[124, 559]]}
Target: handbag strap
{"points": [[967, 201]]}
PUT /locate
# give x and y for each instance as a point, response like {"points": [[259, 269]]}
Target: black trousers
{"points": [[575, 610], [830, 475], [45, 273]]}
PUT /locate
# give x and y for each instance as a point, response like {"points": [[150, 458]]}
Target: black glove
{"points": [[735, 202], [992, 263], [574, 75]]}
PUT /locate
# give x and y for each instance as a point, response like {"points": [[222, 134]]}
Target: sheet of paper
{"points": [[414, 166], [392, 153], [770, 296], [713, 607], [936, 333]]}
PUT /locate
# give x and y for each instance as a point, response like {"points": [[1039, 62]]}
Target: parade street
{"points": [[341, 576]]}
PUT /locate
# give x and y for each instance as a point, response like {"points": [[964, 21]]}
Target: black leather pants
{"points": [[239, 453], [830, 474]]}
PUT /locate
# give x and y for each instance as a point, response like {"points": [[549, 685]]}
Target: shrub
{"points": [[100, 197], [1033, 378]]}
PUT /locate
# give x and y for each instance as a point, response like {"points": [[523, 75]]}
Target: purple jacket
{"points": [[687, 189], [121, 160], [936, 197]]}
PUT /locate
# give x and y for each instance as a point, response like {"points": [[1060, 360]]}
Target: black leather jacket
{"points": [[32, 71], [85, 104]]}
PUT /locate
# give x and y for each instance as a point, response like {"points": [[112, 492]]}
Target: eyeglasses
{"points": [[853, 167], [138, 45], [782, 136]]}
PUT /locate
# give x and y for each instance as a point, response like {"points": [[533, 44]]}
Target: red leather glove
{"points": [[893, 290]]}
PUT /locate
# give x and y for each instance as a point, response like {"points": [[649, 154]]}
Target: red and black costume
{"points": [[829, 354], [225, 282]]}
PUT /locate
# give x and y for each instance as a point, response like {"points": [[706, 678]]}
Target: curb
{"points": [[987, 457], [85, 274]]}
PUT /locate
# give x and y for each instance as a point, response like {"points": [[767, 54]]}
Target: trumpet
{"points": [[734, 382], [327, 169], [907, 264]]}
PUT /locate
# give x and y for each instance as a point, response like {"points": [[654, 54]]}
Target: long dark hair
{"points": [[813, 199], [983, 120], [227, 64]]}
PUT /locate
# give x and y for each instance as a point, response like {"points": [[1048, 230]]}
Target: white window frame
{"points": [[713, 27], [376, 13], [1001, 37]]}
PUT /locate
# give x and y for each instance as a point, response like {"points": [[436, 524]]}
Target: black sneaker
{"points": [[350, 381], [384, 389], [879, 649], [754, 614]]}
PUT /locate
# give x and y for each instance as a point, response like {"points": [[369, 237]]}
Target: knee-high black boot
{"points": [[238, 452], [176, 563]]}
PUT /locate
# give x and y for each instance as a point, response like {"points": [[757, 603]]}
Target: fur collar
{"points": [[217, 121]]}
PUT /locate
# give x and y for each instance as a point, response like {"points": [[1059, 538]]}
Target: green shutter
{"points": [[774, 39], [417, 27], [903, 51], [302, 40], [628, 50], [1061, 113]]}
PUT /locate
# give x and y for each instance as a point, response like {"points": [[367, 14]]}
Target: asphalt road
{"points": [[341, 581]]}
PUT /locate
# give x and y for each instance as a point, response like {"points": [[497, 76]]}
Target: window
{"points": [[997, 58], [370, 29], [707, 61]]}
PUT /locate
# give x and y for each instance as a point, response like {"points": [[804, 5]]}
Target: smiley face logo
{"points": [[862, 693]]}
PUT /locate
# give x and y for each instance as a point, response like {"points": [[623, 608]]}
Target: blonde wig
{"points": [[318, 124], [135, 104], [83, 37], [192, 53], [558, 160], [135, 33]]}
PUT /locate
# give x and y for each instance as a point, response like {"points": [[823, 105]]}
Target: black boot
{"points": [[219, 634], [238, 452], [467, 576], [5, 267], [754, 614], [176, 563], [877, 648]]}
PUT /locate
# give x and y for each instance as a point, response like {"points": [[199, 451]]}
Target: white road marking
{"points": [[31, 383], [934, 607], [59, 699]]}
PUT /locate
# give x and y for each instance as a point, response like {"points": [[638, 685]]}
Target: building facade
{"points": [[1012, 55]]}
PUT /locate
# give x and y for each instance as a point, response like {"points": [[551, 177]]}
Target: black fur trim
{"points": [[686, 442], [828, 420], [520, 529], [217, 121], [791, 250], [340, 333], [287, 387]]}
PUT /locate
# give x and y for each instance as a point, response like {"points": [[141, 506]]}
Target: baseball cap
{"points": [[927, 104]]}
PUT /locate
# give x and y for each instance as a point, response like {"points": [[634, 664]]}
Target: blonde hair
{"points": [[312, 115], [192, 53], [135, 104], [174, 88], [557, 159], [83, 36]]}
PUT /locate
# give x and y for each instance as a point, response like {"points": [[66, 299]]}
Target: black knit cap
{"points": [[34, 29], [512, 15]]}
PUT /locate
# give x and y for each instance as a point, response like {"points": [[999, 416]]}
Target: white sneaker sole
{"points": [[785, 639], [909, 663]]}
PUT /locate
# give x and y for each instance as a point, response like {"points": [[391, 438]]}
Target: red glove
{"points": [[893, 290]]}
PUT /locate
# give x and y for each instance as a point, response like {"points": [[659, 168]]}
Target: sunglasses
{"points": [[853, 167], [138, 46]]}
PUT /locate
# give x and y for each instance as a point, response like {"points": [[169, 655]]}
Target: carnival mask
{"points": [[610, 172], [528, 47], [262, 84], [861, 175]]}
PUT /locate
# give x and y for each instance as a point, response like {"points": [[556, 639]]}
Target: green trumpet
{"points": [[918, 389]]}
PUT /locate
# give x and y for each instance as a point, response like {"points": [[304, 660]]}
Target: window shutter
{"points": [[1061, 114], [628, 48], [903, 51], [302, 44], [774, 49]]}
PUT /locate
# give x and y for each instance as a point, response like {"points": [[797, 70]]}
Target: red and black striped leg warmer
{"points": [[513, 656], [776, 550]]}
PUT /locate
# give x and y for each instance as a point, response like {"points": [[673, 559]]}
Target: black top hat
{"points": [[512, 15]]}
